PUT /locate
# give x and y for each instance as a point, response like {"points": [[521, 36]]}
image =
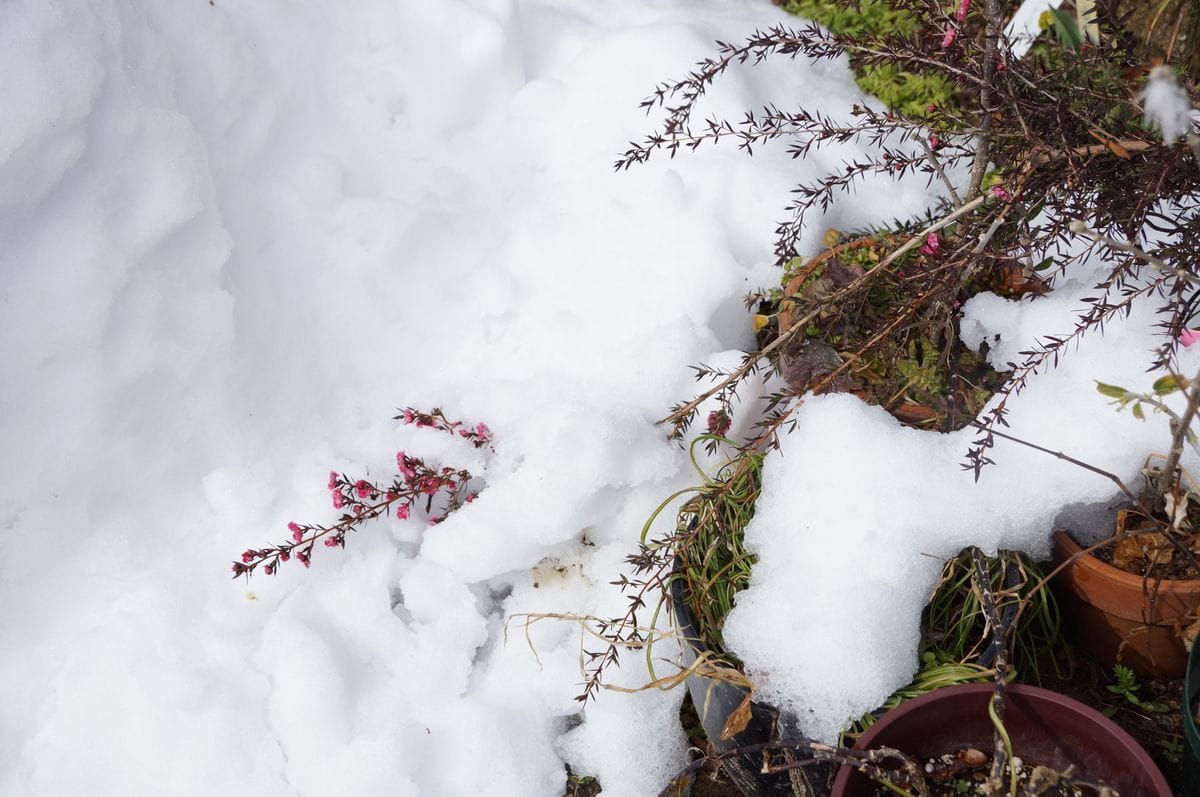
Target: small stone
{"points": [[971, 757]]}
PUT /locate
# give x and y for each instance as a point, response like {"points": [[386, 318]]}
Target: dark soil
{"points": [[956, 774]]}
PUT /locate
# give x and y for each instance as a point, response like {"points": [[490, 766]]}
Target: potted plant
{"points": [[1134, 600], [710, 567], [1035, 153], [1039, 739], [934, 744], [1043, 729], [730, 716]]}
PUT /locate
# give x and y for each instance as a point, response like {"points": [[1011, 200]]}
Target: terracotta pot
{"points": [[1045, 727], [1121, 617]]}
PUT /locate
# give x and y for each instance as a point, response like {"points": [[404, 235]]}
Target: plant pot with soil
{"points": [[893, 341], [1044, 728], [1121, 615], [711, 566], [1134, 597]]}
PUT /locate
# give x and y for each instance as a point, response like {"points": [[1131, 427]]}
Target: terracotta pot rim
{"points": [[1116, 574]]}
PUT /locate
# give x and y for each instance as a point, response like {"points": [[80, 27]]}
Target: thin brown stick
{"points": [[1060, 455], [983, 142]]}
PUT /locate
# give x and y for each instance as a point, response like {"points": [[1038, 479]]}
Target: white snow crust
{"points": [[235, 237]]}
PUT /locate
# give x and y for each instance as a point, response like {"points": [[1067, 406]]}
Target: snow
{"points": [[1024, 26], [1167, 104], [236, 237], [863, 511]]}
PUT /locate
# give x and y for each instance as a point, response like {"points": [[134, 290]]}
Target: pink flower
{"points": [[402, 512], [471, 497], [297, 533], [333, 480], [238, 568], [362, 489], [284, 556], [428, 485], [464, 432], [951, 35], [962, 10], [304, 558], [331, 542], [405, 464], [932, 244], [1001, 193], [934, 142], [482, 430], [338, 501], [1189, 336], [408, 416], [718, 422], [248, 555], [269, 570]]}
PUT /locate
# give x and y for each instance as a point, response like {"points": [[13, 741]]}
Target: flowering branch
{"points": [[414, 484]]}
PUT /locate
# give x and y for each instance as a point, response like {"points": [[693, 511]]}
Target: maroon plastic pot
{"points": [[1045, 727]]}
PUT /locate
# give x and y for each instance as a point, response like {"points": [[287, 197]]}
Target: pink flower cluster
{"points": [[718, 422], [440, 492], [932, 245], [952, 32], [479, 434]]}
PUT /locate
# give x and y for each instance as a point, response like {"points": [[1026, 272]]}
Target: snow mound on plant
{"points": [[858, 512]]}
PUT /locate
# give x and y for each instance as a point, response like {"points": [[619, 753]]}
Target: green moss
{"points": [[870, 17], [906, 92]]}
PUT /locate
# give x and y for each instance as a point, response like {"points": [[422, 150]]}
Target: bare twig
{"points": [[941, 173], [1060, 455], [983, 141], [1180, 430], [1081, 228]]}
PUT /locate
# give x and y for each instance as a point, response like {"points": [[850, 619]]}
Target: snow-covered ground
{"points": [[235, 237]]}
